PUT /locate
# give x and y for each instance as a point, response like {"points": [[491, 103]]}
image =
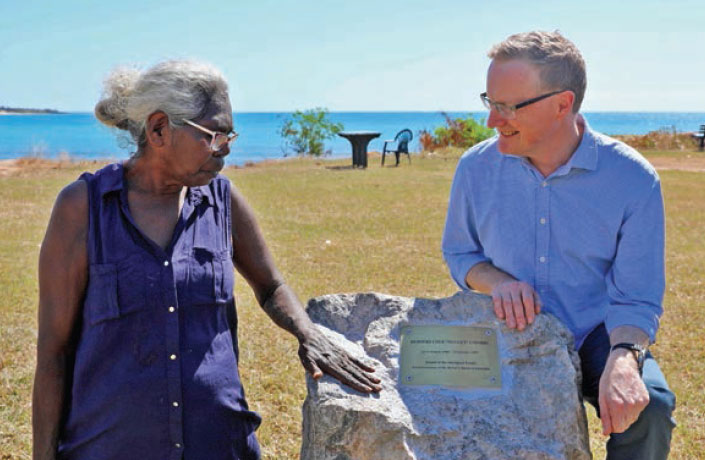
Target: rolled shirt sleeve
{"points": [[636, 280], [460, 244]]}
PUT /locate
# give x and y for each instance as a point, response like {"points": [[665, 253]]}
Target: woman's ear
{"points": [[157, 130]]}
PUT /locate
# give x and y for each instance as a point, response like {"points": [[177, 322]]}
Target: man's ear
{"points": [[565, 103], [157, 130]]}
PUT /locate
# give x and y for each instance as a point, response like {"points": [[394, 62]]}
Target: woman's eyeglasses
{"points": [[218, 140]]}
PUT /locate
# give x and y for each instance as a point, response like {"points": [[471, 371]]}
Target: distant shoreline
{"points": [[24, 111]]}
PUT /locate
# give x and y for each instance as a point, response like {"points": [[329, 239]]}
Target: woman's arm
{"points": [[63, 273], [254, 261]]}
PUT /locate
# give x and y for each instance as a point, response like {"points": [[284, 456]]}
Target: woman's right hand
{"points": [[320, 355]]}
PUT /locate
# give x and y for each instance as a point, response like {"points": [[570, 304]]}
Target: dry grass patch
{"points": [[334, 229], [661, 139]]}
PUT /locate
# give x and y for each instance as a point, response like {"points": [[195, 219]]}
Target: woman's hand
{"points": [[320, 355]]}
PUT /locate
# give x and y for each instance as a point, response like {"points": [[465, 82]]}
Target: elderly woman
{"points": [[137, 353]]}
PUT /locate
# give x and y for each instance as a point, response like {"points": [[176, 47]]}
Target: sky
{"points": [[352, 55]]}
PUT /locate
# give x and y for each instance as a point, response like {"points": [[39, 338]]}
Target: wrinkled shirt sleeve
{"points": [[460, 245], [636, 280]]}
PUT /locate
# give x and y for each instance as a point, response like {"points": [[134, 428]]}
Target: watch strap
{"points": [[638, 351]]}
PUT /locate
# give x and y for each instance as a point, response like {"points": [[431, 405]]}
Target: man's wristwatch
{"points": [[638, 351]]}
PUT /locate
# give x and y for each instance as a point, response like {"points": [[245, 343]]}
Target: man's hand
{"points": [[318, 355], [516, 302], [623, 394]]}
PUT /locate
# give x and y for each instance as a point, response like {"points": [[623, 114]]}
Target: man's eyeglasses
{"points": [[510, 111], [218, 140]]}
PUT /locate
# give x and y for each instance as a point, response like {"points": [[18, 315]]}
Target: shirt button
{"points": [[543, 221], [177, 445], [544, 184], [166, 263], [172, 309], [542, 259], [175, 404], [172, 357]]}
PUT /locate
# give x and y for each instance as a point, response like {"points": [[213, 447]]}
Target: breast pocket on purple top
{"points": [[118, 289], [211, 277], [139, 286], [101, 302]]}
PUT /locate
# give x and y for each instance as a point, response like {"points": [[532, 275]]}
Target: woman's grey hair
{"points": [[182, 89], [560, 64]]}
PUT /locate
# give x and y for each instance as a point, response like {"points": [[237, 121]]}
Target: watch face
{"points": [[639, 354]]}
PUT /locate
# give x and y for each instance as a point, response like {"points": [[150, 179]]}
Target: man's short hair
{"points": [[560, 64]]}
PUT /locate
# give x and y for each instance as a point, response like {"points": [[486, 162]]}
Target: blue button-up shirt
{"points": [[155, 371], [589, 238]]}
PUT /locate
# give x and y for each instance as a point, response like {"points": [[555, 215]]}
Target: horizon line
{"points": [[64, 112]]}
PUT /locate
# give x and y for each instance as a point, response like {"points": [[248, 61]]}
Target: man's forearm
{"points": [[483, 277]]}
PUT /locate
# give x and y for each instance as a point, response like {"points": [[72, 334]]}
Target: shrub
{"points": [[458, 132], [306, 131]]}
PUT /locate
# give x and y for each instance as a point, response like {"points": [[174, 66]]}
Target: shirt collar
{"points": [[113, 180], [585, 156], [198, 195]]}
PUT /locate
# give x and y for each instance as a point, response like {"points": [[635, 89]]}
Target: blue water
{"points": [[82, 136]]}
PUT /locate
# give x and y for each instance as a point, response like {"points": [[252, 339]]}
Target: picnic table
{"points": [[358, 141]]}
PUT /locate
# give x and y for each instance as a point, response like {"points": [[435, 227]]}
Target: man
{"points": [[550, 215]]}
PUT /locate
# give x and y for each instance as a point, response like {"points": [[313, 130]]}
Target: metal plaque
{"points": [[453, 356]]}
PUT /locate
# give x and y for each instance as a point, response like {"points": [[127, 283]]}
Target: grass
{"points": [[334, 229]]}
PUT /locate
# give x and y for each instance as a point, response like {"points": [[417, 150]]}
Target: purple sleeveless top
{"points": [[155, 372]]}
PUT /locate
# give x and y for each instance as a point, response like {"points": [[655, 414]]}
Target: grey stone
{"points": [[538, 413]]}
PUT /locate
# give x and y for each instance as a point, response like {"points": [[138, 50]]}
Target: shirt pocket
{"points": [[101, 302], [138, 283], [211, 277], [118, 289]]}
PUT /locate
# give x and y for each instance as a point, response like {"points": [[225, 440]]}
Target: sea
{"points": [[81, 136]]}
